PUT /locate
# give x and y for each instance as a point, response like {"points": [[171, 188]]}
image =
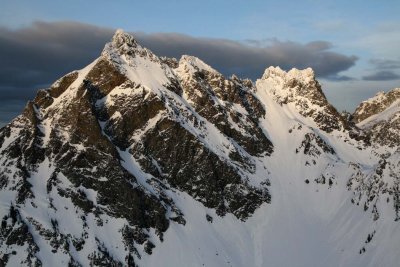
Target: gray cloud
{"points": [[385, 64], [384, 75], [35, 56], [340, 78], [251, 58], [42, 52], [10, 109]]}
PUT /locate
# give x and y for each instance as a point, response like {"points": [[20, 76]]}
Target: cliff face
{"points": [[135, 157]]}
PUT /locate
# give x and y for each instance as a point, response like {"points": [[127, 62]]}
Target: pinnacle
{"points": [[121, 37], [273, 71], [122, 43], [305, 75]]}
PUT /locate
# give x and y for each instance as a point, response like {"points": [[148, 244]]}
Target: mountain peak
{"points": [[122, 43], [300, 88], [121, 38], [292, 84], [305, 75], [125, 50]]}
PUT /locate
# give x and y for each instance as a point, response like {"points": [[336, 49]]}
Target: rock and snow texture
{"points": [[138, 160], [380, 117], [375, 105]]}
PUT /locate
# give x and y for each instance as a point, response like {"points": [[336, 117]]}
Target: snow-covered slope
{"points": [[141, 160]]}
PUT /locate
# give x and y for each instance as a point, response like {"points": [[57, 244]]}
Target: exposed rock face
{"points": [[373, 188], [100, 167], [228, 104], [386, 132]]}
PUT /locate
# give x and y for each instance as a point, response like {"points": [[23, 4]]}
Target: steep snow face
{"points": [[136, 158], [191, 65], [139, 64]]}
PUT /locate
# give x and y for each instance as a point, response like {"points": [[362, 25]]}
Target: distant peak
{"points": [[383, 96], [376, 104], [121, 38]]}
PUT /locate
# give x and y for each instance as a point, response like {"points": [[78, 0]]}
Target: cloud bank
{"points": [[384, 75], [384, 70], [35, 56]]}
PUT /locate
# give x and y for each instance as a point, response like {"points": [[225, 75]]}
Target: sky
{"points": [[351, 45]]}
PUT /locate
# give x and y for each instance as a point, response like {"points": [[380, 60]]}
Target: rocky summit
{"points": [[140, 160]]}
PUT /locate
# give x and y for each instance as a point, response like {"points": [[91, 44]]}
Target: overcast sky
{"points": [[351, 45]]}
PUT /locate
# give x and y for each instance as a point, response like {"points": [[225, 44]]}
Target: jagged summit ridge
{"points": [[289, 86], [305, 75]]}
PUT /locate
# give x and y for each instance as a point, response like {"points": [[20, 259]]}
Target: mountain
{"points": [[143, 160], [380, 117]]}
